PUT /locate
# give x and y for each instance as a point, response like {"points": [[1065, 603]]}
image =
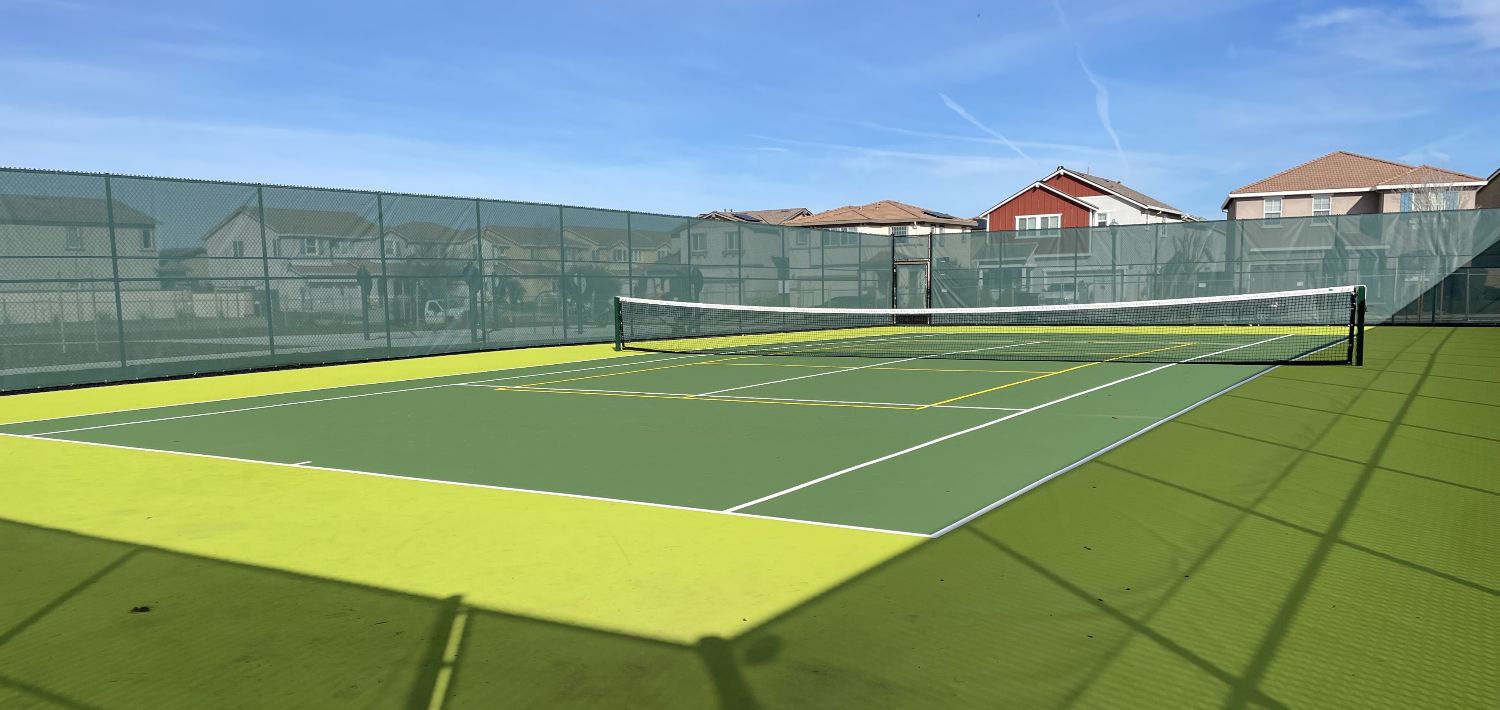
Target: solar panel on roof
{"points": [[748, 217], [939, 215]]}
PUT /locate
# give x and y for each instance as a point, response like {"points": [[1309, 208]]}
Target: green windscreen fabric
{"points": [[111, 278]]}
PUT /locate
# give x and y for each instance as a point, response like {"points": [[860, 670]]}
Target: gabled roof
{"points": [[781, 216], [1344, 170], [1120, 189], [431, 233], [1042, 186], [315, 223], [42, 209], [1429, 175], [882, 212]]}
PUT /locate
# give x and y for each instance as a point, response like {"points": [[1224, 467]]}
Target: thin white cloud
{"points": [[964, 113], [1481, 17], [1101, 94]]}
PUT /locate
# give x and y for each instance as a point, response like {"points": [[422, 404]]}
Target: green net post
{"points": [[619, 325], [1359, 325]]}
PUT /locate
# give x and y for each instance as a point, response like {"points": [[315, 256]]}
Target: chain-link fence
{"points": [[108, 278]]}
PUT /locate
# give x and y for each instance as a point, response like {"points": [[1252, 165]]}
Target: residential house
{"points": [[886, 217], [65, 241], [314, 255], [781, 216], [1488, 197], [1072, 198], [1341, 183]]}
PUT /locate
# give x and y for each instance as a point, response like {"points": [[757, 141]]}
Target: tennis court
{"points": [[913, 445]]}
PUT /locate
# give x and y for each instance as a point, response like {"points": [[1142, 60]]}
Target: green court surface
{"points": [[910, 445], [707, 532]]}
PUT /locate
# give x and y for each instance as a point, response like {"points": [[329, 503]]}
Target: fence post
{"points": [[629, 256], [739, 261], [265, 269], [385, 272], [484, 334], [114, 266], [562, 270]]}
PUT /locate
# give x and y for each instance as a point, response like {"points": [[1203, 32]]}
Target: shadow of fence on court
{"points": [[1307, 540]]}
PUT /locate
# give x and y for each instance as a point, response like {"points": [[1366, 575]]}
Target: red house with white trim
{"points": [[1071, 198]]}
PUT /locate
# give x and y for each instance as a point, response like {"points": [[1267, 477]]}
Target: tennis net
{"points": [[1322, 325]]}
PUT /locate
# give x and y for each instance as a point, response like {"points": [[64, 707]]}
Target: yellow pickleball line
{"points": [[1059, 372], [715, 399]]}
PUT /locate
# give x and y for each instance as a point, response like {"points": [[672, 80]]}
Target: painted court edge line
{"points": [[511, 489], [1034, 484], [325, 399], [299, 391], [975, 428]]}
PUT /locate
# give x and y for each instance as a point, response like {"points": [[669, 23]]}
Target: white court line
{"points": [[977, 427], [861, 367], [309, 389], [347, 396], [685, 395], [303, 463], [511, 489], [971, 516]]}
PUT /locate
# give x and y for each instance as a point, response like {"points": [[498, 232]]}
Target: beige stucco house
{"points": [[1347, 183]]}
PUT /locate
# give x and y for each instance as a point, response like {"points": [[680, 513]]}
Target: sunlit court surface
{"points": [[725, 519]]}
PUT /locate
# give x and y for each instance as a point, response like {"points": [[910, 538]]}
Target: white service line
{"points": [[685, 395], [971, 516], [309, 389], [347, 396], [579, 496], [861, 367], [977, 427]]}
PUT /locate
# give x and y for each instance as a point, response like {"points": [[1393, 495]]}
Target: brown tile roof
{"points": [[1127, 192], [78, 211], [1429, 175], [1342, 169], [316, 223], [781, 216], [882, 212]]}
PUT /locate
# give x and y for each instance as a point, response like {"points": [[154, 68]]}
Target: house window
{"points": [[148, 240], [1271, 208], [801, 239], [898, 231], [1406, 200], [238, 248], [732, 242], [698, 243], [619, 254], [840, 238], [72, 239], [1450, 200], [1038, 221], [1103, 219], [310, 247], [1322, 205]]}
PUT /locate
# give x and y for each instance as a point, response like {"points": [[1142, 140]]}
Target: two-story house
{"points": [[1341, 183], [1072, 198], [66, 240]]}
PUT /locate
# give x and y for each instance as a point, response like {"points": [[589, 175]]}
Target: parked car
{"points": [[437, 312]]}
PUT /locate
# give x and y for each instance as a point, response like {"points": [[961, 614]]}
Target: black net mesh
{"points": [[1307, 326]]}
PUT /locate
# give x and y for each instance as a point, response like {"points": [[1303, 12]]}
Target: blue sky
{"points": [[684, 107]]}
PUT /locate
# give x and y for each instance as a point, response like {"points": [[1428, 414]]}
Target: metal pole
{"points": [[484, 334], [619, 324], [265, 268], [385, 272], [739, 261], [562, 270], [629, 256], [114, 265]]}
